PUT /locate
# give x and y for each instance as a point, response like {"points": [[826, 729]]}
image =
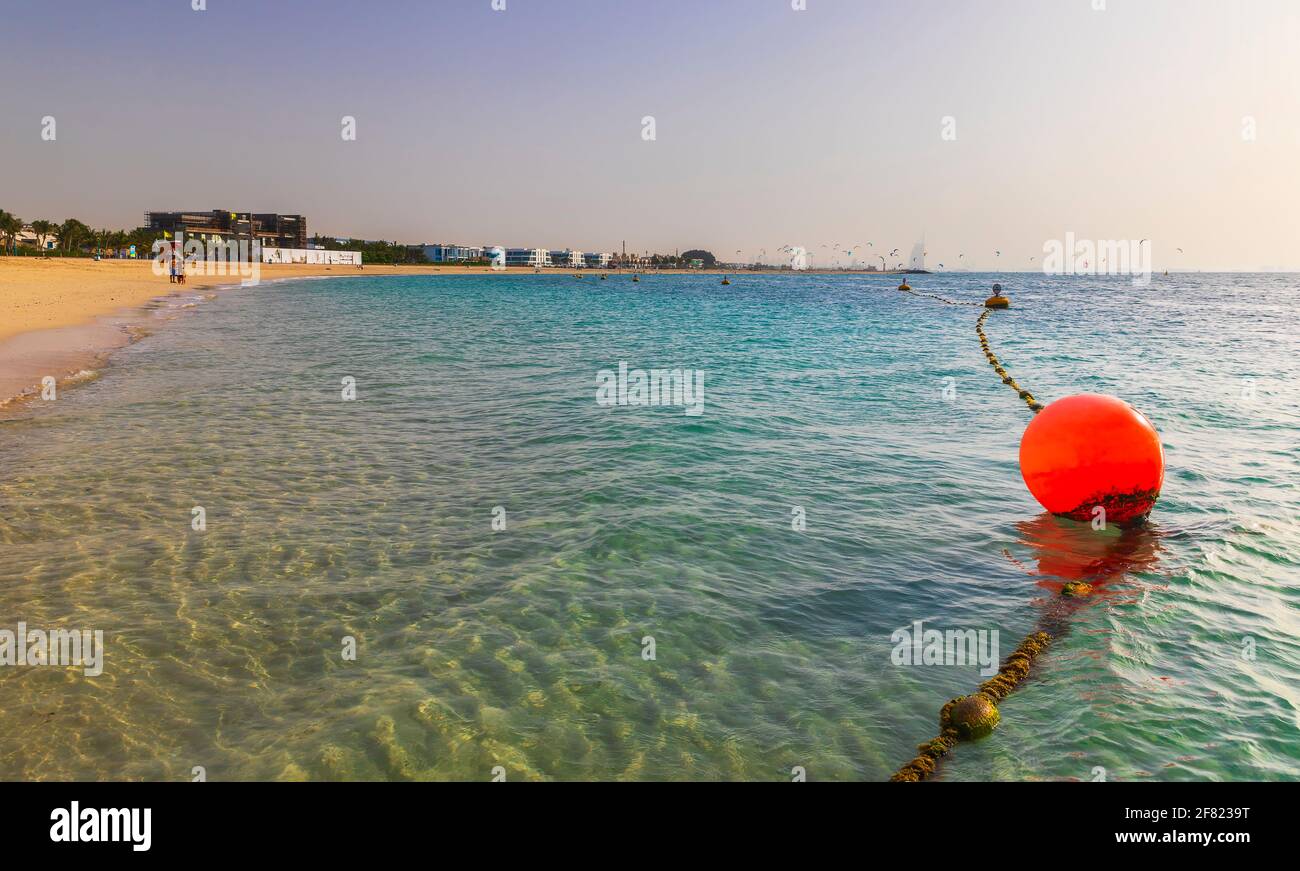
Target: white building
{"points": [[451, 252], [534, 257], [917, 260], [568, 258], [314, 256], [27, 236]]}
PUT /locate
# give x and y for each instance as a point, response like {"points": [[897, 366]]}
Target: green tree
{"points": [[43, 230], [143, 239], [10, 227], [72, 234], [100, 239]]}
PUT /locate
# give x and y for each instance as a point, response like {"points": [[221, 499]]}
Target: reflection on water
{"points": [[524, 647], [1066, 550]]}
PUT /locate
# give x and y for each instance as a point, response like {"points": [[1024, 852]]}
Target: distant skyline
{"points": [[1169, 120]]}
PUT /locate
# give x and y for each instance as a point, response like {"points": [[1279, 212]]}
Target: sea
{"points": [[390, 528]]}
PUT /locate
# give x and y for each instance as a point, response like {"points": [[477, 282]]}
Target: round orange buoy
{"points": [[1090, 450]]}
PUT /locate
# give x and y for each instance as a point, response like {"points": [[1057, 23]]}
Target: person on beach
{"points": [[171, 279]]}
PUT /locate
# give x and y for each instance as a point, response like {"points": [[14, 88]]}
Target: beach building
{"points": [[272, 230], [597, 261], [28, 236], [917, 259], [568, 259], [534, 257], [450, 252], [311, 256]]}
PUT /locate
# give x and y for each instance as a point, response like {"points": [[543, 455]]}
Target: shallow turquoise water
{"points": [[523, 647]]}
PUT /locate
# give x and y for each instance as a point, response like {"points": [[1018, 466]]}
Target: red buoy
{"points": [[1089, 450]]}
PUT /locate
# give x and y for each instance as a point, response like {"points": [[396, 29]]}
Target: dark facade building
{"points": [[273, 231]]}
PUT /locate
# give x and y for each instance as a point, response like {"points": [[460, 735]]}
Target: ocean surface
{"points": [[649, 610]]}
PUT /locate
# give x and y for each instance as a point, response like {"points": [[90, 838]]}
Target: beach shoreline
{"points": [[62, 317]]}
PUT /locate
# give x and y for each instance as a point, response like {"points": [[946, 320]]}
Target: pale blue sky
{"points": [[774, 126]]}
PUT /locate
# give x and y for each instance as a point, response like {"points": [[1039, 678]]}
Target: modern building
{"points": [[917, 260], [311, 256], [534, 257], [449, 252], [596, 261], [272, 230], [567, 259]]}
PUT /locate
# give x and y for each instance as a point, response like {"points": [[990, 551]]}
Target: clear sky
{"points": [[773, 125]]}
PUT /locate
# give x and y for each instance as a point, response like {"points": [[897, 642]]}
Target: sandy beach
{"points": [[39, 294], [59, 317]]}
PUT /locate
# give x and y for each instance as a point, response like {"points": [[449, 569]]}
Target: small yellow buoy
{"points": [[997, 300], [905, 286]]}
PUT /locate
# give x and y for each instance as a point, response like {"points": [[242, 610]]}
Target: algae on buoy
{"points": [[973, 716], [1088, 452]]}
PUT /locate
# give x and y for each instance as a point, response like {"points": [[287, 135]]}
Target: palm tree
{"points": [[143, 239], [43, 230], [71, 234], [15, 227], [10, 227]]}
